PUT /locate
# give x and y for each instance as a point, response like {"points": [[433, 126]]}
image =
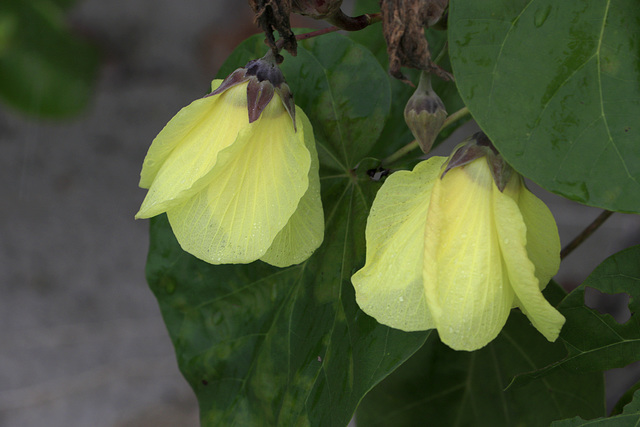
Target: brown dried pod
{"points": [[403, 25], [316, 9], [273, 15]]}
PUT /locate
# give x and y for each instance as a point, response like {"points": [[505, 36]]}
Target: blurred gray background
{"points": [[82, 340]]}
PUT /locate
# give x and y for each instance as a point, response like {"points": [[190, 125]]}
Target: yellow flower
{"points": [[237, 174], [454, 253]]}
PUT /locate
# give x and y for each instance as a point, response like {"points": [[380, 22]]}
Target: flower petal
{"points": [[188, 146], [250, 195], [513, 234], [305, 230], [465, 281], [389, 287], [543, 241]]}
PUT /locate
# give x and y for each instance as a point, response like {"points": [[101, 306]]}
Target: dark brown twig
{"points": [[585, 234], [369, 18]]}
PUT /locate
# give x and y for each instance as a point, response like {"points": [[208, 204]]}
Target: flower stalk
{"points": [[403, 151]]}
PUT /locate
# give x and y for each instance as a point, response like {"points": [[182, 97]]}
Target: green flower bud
{"points": [[425, 113]]}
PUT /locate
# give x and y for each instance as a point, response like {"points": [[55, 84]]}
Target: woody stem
{"points": [[346, 23], [414, 144], [588, 231]]}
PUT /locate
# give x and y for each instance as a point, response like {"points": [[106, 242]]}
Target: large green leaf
{"points": [[266, 346], [630, 417], [46, 71], [441, 387], [595, 341], [556, 86]]}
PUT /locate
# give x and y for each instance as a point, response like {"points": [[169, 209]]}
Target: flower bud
{"points": [[425, 113]]}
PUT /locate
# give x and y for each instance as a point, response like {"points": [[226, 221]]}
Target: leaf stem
{"points": [[413, 144], [588, 231]]}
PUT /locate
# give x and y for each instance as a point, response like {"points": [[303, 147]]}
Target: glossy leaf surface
{"points": [[595, 341], [556, 85]]}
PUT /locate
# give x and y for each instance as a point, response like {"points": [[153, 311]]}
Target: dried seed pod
{"points": [[403, 24], [273, 15], [316, 9]]}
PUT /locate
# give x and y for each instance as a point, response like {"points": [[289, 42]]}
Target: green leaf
{"points": [[46, 70], [630, 417], [555, 86], [266, 346], [626, 398], [594, 341], [443, 387]]}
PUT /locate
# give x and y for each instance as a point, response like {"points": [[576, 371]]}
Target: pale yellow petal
{"points": [[513, 240], [251, 193], [464, 278], [543, 241], [188, 146], [305, 230], [389, 287]]}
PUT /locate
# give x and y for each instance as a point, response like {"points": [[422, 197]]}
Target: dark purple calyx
{"points": [[477, 146], [265, 79]]}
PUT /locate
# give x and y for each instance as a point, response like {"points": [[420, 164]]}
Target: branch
{"points": [[591, 228]]}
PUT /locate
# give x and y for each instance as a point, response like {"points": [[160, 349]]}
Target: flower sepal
{"points": [[264, 79], [477, 146]]}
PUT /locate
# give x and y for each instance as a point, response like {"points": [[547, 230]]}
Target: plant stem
{"points": [[351, 23], [442, 52], [588, 231], [365, 20], [413, 144]]}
